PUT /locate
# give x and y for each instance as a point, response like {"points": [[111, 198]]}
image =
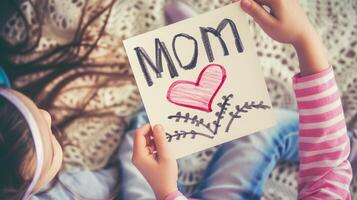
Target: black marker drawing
{"points": [[245, 108], [217, 34], [212, 128], [182, 134], [220, 114], [193, 120], [161, 50], [193, 61]]}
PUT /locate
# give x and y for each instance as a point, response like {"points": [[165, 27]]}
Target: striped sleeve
{"points": [[325, 172]]}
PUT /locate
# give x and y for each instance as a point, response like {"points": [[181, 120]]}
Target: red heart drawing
{"points": [[200, 94]]}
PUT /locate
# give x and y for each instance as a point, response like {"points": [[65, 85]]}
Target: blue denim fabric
{"points": [[238, 170], [134, 185], [82, 184], [94, 185]]}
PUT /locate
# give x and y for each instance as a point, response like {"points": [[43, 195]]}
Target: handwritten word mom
{"points": [[161, 51]]}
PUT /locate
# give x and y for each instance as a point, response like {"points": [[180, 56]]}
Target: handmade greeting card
{"points": [[200, 79]]}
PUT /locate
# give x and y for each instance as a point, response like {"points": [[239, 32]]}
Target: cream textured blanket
{"points": [[101, 99]]}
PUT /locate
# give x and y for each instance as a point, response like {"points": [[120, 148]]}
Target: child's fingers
{"points": [[269, 3], [260, 15], [161, 143], [140, 141], [263, 2]]}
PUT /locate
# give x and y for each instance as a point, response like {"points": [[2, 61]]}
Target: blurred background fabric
{"points": [[90, 91]]}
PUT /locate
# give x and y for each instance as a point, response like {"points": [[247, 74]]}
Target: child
{"points": [[325, 172], [31, 156]]}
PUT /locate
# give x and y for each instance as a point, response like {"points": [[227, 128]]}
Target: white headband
{"points": [[35, 134]]}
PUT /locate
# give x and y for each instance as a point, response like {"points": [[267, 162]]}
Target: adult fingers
{"points": [[161, 144]]}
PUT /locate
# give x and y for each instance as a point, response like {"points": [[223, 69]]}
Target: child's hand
{"points": [[287, 23], [159, 169]]}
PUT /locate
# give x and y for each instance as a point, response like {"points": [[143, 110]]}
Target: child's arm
{"points": [[287, 23], [325, 172]]}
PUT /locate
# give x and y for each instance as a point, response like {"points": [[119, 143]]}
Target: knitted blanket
{"points": [[94, 100]]}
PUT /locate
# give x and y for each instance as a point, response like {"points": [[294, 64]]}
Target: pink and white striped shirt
{"points": [[325, 173]]}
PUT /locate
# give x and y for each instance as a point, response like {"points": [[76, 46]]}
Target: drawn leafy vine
{"points": [[214, 126]]}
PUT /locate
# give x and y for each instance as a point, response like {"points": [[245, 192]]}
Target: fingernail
{"points": [[159, 128], [246, 3], [152, 149]]}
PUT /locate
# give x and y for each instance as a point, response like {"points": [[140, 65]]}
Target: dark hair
{"points": [[16, 147], [21, 59], [16, 144], [55, 61]]}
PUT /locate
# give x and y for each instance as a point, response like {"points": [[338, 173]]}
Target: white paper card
{"points": [[200, 78]]}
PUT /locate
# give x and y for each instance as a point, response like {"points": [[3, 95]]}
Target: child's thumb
{"points": [[161, 143], [259, 14]]}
